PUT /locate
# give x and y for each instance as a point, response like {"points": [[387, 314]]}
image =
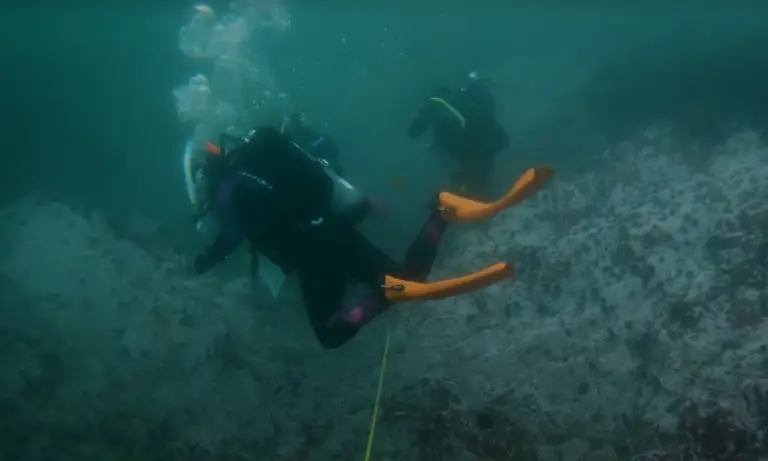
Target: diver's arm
{"points": [[428, 112], [227, 242], [422, 121], [231, 235]]}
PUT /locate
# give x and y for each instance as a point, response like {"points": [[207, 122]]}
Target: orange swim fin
{"points": [[457, 208], [398, 290]]}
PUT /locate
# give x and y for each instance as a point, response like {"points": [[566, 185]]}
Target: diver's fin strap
{"points": [[397, 290], [457, 208]]}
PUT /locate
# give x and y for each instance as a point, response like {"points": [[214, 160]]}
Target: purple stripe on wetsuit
{"points": [[360, 313]]}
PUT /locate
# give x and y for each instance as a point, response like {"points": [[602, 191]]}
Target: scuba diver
{"points": [[320, 145], [316, 144], [464, 126], [302, 216]]}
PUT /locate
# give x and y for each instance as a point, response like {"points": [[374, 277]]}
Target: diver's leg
{"points": [[323, 294], [410, 283], [403, 283], [371, 266], [422, 252], [478, 179], [478, 188], [368, 264]]}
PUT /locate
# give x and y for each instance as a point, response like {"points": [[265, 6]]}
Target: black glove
{"points": [[202, 264]]}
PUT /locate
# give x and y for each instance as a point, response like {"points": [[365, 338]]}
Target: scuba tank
{"points": [[341, 200], [346, 201], [194, 182], [282, 162]]}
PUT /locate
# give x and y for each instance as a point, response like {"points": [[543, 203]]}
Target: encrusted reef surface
{"points": [[634, 330], [636, 326]]}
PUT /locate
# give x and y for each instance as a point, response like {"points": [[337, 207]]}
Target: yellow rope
{"points": [[372, 430], [452, 110]]}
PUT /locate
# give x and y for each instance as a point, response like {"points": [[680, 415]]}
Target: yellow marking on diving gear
{"points": [[376, 404], [451, 110]]}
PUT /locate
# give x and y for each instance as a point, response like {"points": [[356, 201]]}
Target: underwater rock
{"points": [[635, 328]]}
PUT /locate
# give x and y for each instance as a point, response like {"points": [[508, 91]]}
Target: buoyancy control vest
{"points": [[306, 190]]}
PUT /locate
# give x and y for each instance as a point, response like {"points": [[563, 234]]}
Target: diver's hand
{"points": [[202, 264]]}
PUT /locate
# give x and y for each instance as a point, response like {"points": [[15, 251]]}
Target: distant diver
{"points": [[302, 216], [464, 126]]}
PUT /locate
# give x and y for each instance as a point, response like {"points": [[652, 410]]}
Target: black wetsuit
{"points": [[290, 224], [473, 145]]}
